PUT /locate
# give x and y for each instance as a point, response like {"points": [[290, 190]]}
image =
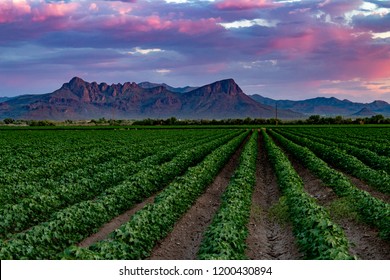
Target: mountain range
{"points": [[328, 106], [78, 99], [81, 100]]}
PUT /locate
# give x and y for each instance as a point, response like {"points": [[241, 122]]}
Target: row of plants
{"points": [[41, 204], [373, 211], [368, 157], [374, 141], [71, 225], [225, 237], [371, 134], [348, 163], [136, 239], [34, 181], [123, 146], [318, 237]]}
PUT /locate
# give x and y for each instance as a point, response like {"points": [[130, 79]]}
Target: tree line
{"points": [[311, 120]]}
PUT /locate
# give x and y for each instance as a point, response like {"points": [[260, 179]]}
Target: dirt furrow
{"points": [[365, 187], [115, 223], [270, 235], [184, 240], [364, 240]]}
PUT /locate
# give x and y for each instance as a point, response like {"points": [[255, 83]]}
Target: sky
{"points": [[279, 49]]}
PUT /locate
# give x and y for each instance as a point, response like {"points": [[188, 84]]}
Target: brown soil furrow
{"points": [[269, 237], [184, 240], [115, 223], [365, 187], [364, 241]]}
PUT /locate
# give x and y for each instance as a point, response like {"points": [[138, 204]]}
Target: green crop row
{"points": [[40, 205], [225, 237], [372, 210], [349, 136], [136, 239], [367, 156], [347, 163], [71, 225], [62, 165], [317, 236]]}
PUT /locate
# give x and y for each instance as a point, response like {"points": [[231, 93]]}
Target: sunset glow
{"points": [[278, 49]]}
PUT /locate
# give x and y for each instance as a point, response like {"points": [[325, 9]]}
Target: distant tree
{"points": [[313, 119], [171, 121], [338, 120], [41, 123], [9, 121], [377, 119]]}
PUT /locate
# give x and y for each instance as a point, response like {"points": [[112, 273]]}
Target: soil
{"points": [[364, 241], [184, 240], [269, 238], [363, 186], [115, 223]]}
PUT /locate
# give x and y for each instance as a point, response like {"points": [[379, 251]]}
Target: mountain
{"points": [[365, 112], [328, 106], [148, 85], [79, 100], [3, 99]]}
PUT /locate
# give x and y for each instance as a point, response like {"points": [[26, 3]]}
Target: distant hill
{"points": [[78, 100], [3, 99], [328, 106], [148, 85], [365, 112]]}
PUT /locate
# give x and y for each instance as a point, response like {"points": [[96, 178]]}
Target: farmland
{"points": [[287, 192]]}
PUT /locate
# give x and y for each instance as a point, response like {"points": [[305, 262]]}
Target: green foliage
{"points": [[318, 237], [136, 239], [371, 210], [72, 224], [279, 211], [225, 237]]}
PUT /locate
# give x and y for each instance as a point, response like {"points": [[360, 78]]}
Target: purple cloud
{"points": [[271, 47]]}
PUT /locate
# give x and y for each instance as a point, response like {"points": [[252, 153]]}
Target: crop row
{"points": [[346, 162], [225, 237], [63, 165], [73, 224], [368, 157], [371, 134], [38, 207], [372, 210], [348, 136], [317, 236], [136, 239]]}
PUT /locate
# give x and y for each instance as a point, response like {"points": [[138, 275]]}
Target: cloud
{"points": [[11, 11], [163, 71], [284, 46], [243, 4], [141, 51], [249, 23]]}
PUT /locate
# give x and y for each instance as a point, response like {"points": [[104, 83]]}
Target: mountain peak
{"points": [[364, 112], [76, 81], [227, 86]]}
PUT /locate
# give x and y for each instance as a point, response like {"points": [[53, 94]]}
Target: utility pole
{"points": [[276, 112]]}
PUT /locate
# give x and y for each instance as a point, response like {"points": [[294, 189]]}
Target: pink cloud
{"points": [[243, 4], [192, 27], [14, 11], [11, 11], [312, 40], [157, 23], [369, 66], [48, 10], [152, 23]]}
